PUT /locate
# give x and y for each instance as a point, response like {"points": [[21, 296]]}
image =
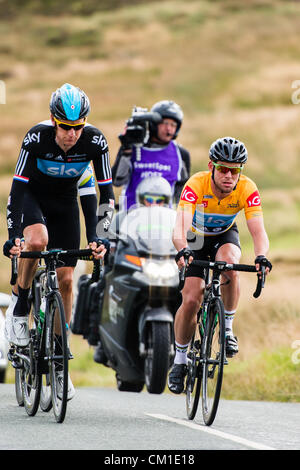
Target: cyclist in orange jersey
{"points": [[209, 204]]}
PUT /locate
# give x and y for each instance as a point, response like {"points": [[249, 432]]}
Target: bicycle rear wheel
{"points": [[31, 379], [18, 387], [46, 398], [57, 352], [194, 376], [213, 360]]}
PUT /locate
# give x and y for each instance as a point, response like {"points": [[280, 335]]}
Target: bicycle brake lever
{"points": [[14, 270], [182, 276], [260, 282]]}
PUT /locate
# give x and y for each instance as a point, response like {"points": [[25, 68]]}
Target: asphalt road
{"points": [[108, 420]]}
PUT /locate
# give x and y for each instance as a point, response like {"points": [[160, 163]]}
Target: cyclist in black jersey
{"points": [[42, 203]]}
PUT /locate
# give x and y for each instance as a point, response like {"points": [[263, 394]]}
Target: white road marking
{"points": [[215, 432]]}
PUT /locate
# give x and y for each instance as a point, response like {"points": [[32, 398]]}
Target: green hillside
{"points": [[233, 66]]}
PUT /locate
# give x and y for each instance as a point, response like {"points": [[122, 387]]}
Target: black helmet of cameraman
{"points": [[168, 110]]}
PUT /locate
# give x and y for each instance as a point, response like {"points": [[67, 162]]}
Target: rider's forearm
{"points": [[259, 236], [105, 210], [182, 225], [261, 245], [179, 238], [14, 209], [89, 208]]}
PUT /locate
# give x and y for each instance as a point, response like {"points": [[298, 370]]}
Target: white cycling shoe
{"points": [[19, 331], [16, 329], [9, 316], [59, 385]]}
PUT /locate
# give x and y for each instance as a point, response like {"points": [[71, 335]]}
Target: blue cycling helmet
{"points": [[69, 103]]}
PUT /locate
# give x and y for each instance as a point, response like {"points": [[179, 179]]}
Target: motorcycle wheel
{"points": [[157, 358]]}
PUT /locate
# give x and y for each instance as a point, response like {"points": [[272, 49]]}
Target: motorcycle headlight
{"points": [[151, 269], [168, 270], [160, 272]]}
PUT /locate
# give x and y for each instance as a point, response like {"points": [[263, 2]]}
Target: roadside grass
{"points": [[267, 376]]}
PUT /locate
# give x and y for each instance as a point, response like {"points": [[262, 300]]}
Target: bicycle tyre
{"points": [[57, 362], [194, 376], [18, 387], [31, 380], [46, 398], [213, 360]]}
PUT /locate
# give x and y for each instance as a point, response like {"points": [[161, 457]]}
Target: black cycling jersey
{"points": [[49, 173]]}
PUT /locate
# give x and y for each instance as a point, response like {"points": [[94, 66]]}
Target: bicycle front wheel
{"points": [[213, 360], [57, 352], [194, 376]]}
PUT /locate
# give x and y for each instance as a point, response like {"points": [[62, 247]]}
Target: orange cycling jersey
{"points": [[212, 216]]}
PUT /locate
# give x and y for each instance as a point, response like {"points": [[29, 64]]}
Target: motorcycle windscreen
{"points": [[151, 229]]}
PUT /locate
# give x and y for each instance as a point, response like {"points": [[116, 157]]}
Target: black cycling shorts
{"points": [[210, 247], [61, 218]]}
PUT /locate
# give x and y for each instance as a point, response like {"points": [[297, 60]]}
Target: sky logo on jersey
{"points": [[189, 195], [254, 199], [32, 137], [61, 170], [100, 140]]}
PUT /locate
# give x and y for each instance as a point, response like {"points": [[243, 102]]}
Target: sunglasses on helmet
{"points": [[68, 127], [235, 170]]}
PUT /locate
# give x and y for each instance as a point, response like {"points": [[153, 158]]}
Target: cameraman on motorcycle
{"points": [[155, 154], [148, 149], [151, 191]]}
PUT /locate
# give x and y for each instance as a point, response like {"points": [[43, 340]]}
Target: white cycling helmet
{"points": [[154, 190]]}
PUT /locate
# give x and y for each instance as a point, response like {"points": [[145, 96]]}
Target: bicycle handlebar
{"points": [[80, 254], [222, 266], [83, 254]]}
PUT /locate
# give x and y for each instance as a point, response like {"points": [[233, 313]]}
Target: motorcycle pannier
{"points": [[80, 319]]}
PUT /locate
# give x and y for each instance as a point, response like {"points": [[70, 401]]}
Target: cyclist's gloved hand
{"points": [[105, 242], [9, 244], [261, 260], [186, 253], [102, 241]]}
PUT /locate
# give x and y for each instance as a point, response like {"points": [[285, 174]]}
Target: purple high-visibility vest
{"points": [[148, 162]]}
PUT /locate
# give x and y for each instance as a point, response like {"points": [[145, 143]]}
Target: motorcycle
{"points": [[4, 302], [140, 300]]}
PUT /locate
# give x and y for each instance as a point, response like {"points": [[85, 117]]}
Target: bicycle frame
{"points": [[207, 355], [41, 356]]}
